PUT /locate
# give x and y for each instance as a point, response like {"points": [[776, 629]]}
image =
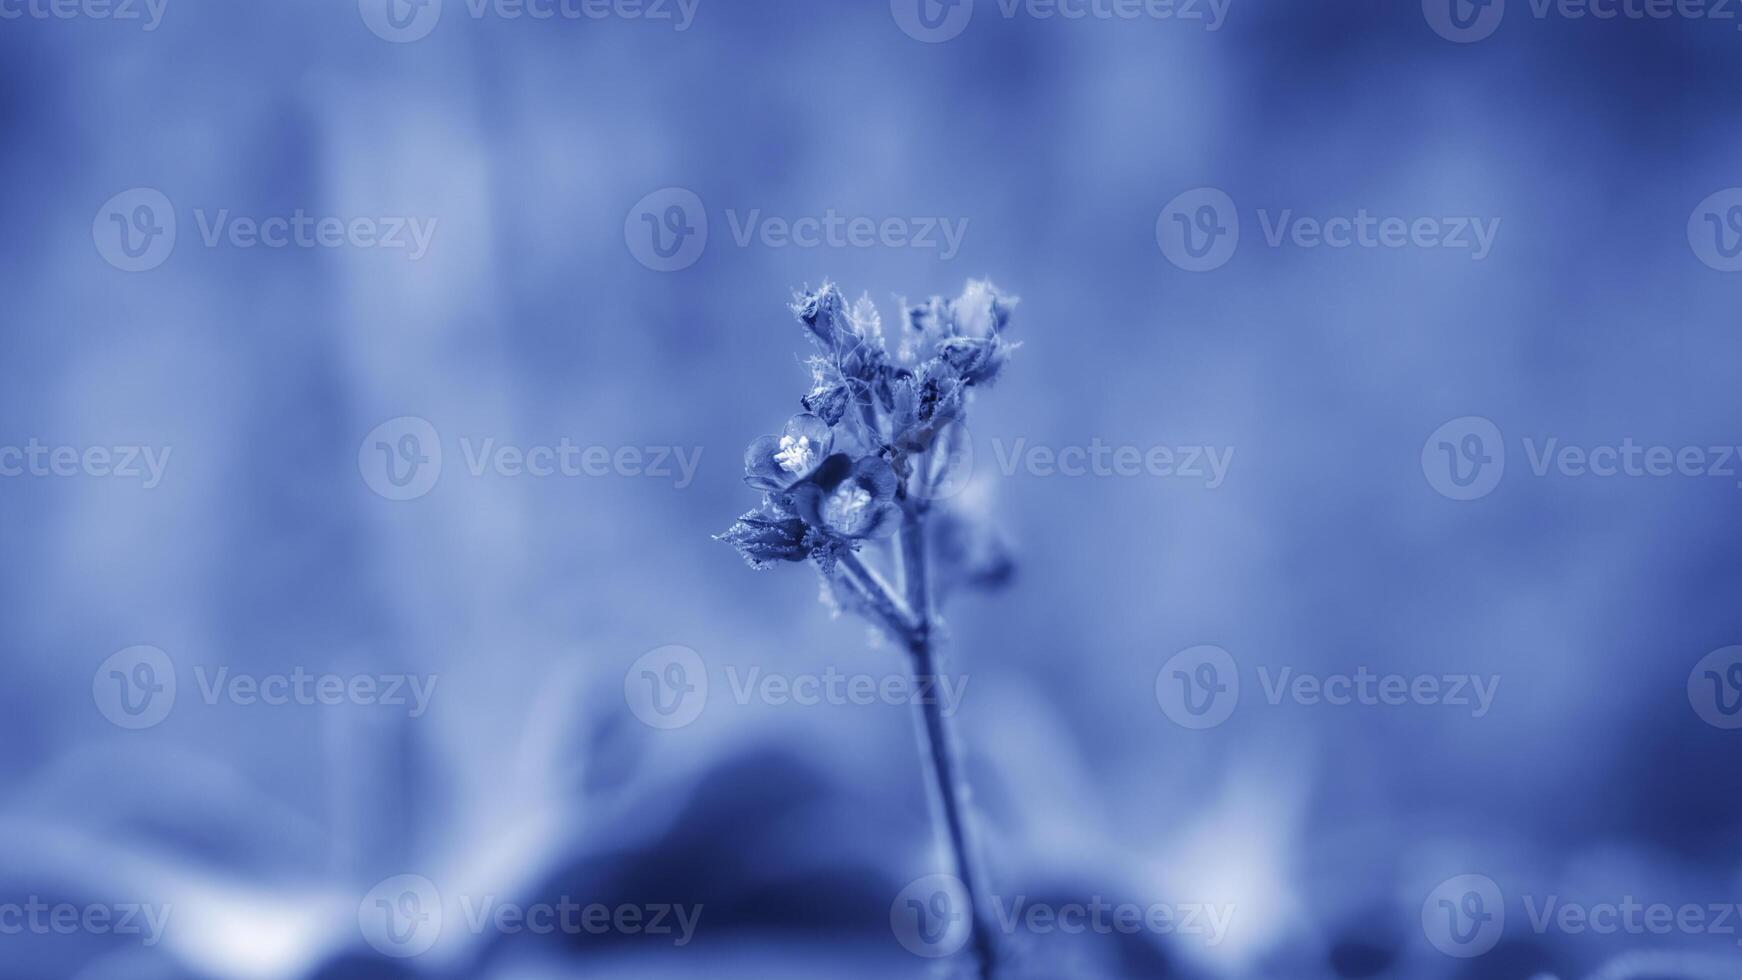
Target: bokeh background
{"points": [[266, 548]]}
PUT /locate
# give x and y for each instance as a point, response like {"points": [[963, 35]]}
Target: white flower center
{"points": [[845, 507], [795, 455]]}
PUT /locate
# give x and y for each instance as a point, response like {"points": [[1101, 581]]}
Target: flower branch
{"points": [[865, 462]]}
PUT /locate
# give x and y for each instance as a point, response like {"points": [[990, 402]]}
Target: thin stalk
{"points": [[937, 741], [883, 604]]}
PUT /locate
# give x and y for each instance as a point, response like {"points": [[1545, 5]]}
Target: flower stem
{"points": [[881, 602], [937, 741]]}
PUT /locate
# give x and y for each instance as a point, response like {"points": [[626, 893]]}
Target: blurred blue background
{"points": [[541, 154]]}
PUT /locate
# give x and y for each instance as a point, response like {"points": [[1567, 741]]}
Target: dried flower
{"points": [[861, 464], [778, 462], [763, 540], [850, 499]]}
